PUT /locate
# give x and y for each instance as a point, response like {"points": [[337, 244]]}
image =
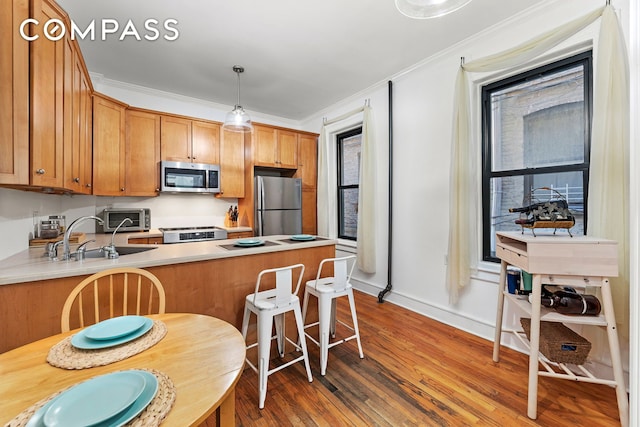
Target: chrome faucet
{"points": [[67, 234], [110, 251]]}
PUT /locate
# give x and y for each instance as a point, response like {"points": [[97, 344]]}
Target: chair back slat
{"points": [[112, 296]]}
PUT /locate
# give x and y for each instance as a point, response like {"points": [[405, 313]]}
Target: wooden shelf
{"points": [[550, 315]]}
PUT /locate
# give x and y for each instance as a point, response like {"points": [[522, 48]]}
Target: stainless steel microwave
{"points": [[113, 217], [184, 177]]}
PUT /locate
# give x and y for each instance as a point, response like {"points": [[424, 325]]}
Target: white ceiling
{"points": [[299, 57]]}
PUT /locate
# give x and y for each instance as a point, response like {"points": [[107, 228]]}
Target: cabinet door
{"points": [[14, 94], [205, 144], [264, 146], [86, 129], [47, 91], [232, 164], [175, 140], [108, 147], [307, 161], [287, 154], [73, 160], [309, 213], [142, 156]]}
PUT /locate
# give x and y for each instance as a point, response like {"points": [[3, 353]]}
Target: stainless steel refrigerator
{"points": [[278, 204]]}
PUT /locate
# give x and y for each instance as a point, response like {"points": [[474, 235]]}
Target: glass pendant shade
{"points": [[237, 120], [425, 9]]}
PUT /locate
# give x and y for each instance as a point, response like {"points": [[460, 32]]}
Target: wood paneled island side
{"points": [[204, 278]]}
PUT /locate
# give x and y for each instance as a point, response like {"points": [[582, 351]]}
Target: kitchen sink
{"points": [[122, 250]]}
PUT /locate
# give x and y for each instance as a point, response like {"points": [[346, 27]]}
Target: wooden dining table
{"points": [[202, 355]]}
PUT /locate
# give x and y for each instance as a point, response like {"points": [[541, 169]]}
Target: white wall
{"points": [[422, 110]]}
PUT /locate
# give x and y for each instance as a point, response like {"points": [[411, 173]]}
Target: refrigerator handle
{"points": [[260, 206]]}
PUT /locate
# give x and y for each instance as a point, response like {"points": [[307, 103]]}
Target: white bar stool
{"points": [[269, 306], [327, 290]]}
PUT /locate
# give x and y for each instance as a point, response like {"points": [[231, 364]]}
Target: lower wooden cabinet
{"points": [[145, 241], [239, 234]]}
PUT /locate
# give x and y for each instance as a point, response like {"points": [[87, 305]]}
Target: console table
{"points": [[580, 262]]}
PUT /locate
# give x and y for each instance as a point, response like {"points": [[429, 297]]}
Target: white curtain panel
{"points": [[367, 197], [609, 162], [326, 188], [462, 252]]}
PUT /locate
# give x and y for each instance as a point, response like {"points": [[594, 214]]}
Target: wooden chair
{"points": [[113, 292]]}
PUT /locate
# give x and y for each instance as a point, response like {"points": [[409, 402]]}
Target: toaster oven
{"points": [[112, 217]]}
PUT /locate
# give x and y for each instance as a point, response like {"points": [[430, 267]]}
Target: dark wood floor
{"points": [[417, 372]]}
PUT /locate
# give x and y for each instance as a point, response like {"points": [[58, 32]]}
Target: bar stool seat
{"points": [[327, 290], [270, 307]]}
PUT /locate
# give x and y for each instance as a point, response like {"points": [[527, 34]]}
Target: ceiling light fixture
{"points": [[238, 120], [426, 9]]}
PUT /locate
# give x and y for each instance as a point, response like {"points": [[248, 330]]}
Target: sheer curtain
{"points": [[367, 196], [609, 143]]}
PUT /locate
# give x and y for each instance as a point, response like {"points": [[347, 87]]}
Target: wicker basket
{"points": [[558, 343]]}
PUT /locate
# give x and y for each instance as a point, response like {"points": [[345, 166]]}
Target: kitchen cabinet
{"points": [[126, 145], [309, 212], [142, 153], [145, 240], [47, 93], [307, 161], [273, 147], [14, 94], [239, 234], [232, 165], [108, 146], [186, 140], [78, 147]]}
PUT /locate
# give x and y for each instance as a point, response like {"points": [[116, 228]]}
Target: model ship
{"points": [[553, 213]]}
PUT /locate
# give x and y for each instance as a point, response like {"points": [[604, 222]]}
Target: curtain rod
{"points": [[326, 122]]}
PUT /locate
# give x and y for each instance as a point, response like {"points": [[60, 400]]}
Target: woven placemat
{"points": [[65, 355], [152, 415]]}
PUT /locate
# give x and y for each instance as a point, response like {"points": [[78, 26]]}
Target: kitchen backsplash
{"points": [[167, 210]]}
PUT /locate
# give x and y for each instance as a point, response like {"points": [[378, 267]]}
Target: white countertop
{"points": [[31, 264]]}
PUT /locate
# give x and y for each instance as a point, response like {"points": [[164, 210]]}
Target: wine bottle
{"points": [[565, 302]]}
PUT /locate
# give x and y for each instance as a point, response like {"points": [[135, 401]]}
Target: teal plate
{"points": [[249, 242], [114, 328], [146, 396], [95, 401], [79, 340], [303, 237]]}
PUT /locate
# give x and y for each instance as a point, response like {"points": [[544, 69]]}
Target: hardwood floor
{"points": [[417, 372]]}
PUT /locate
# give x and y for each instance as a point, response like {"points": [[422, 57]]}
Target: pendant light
{"points": [[238, 120], [425, 9]]}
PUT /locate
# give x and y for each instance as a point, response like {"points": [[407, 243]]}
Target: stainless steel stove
{"points": [[192, 234]]}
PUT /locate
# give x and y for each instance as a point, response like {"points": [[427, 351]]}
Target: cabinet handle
{"points": [[40, 171], [76, 179], [88, 185], [157, 190], [122, 189]]}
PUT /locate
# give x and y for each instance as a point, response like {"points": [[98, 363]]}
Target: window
{"points": [[348, 182], [536, 133]]}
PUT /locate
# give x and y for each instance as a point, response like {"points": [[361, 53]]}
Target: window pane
{"points": [[540, 122], [350, 167], [515, 192], [349, 212]]}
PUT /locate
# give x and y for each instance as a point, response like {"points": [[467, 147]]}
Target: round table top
{"points": [[202, 355]]}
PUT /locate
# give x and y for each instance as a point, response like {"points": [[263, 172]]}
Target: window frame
{"points": [[586, 60], [340, 137]]}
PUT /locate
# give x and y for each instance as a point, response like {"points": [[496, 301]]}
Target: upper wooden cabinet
{"points": [[307, 161], [273, 147], [186, 140], [47, 100], [78, 149], [142, 153], [108, 146], [126, 144], [14, 94], [232, 164]]}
